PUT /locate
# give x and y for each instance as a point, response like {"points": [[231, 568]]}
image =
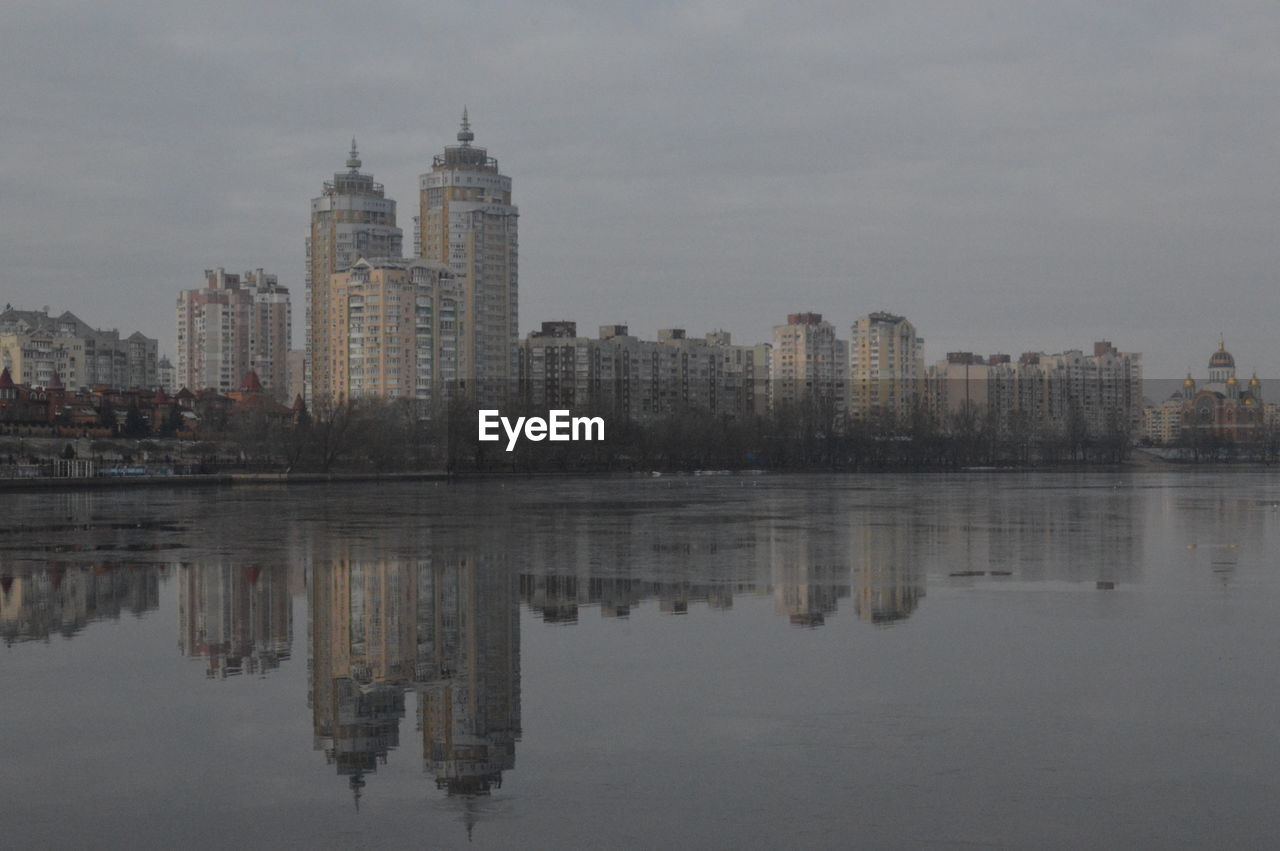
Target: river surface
{"points": [[1013, 660]]}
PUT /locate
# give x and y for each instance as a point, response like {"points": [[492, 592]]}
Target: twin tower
{"points": [[382, 325]]}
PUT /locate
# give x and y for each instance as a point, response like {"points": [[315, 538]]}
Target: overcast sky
{"points": [[1008, 175]]}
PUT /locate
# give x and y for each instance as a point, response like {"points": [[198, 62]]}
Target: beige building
{"points": [[35, 345], [233, 324], [395, 330], [641, 379], [1162, 423], [1098, 393], [886, 368], [808, 363], [351, 219], [467, 222]]}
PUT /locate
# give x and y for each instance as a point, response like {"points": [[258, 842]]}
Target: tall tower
{"points": [[467, 221], [351, 219]]}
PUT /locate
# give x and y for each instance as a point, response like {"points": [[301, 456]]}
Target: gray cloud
{"points": [[1008, 175]]}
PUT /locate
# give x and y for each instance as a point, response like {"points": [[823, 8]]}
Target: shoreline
{"points": [[278, 479]]}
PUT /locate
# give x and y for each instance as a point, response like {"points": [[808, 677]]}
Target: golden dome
{"points": [[1231, 382], [1254, 382], [1189, 382]]}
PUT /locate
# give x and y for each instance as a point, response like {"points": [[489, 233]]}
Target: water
{"points": [[914, 661]]}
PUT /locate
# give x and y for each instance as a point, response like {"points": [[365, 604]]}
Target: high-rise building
{"points": [[808, 364], [394, 330], [1099, 395], [467, 221], [231, 325], [641, 379], [351, 219], [886, 367]]}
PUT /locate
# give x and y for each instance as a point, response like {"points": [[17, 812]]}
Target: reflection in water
{"points": [[239, 618], [65, 599], [807, 569], [444, 628], [469, 698]]}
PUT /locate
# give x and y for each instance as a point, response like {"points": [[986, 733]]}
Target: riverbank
{"points": [[214, 480]]}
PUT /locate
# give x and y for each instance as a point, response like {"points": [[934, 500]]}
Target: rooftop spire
{"points": [[353, 160], [465, 136], [1222, 342]]}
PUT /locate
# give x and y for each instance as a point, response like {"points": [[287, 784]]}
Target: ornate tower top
{"points": [[353, 159], [465, 136]]}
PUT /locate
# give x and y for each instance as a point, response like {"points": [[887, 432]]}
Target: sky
{"points": [[1010, 176]]}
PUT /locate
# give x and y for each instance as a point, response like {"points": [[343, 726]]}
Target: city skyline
{"points": [[1009, 179]]}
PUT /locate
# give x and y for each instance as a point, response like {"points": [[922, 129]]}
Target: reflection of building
{"points": [[808, 578], [887, 582], [445, 628], [469, 700], [363, 646], [65, 599], [237, 617]]}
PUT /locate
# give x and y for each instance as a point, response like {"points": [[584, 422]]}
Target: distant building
{"points": [[351, 219], [1099, 394], [297, 360], [886, 368], [808, 363], [625, 376], [231, 325], [35, 345], [166, 375], [1222, 407]]}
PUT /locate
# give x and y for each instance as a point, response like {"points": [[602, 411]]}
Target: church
{"points": [[1222, 407]]}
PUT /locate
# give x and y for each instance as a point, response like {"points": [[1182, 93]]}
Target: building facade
{"points": [[352, 218], [35, 346], [625, 376], [231, 325], [395, 333], [1070, 392], [886, 368], [467, 222], [808, 364], [1221, 408]]}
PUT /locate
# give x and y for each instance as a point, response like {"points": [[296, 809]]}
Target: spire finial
{"points": [[1222, 342], [465, 135], [353, 160]]}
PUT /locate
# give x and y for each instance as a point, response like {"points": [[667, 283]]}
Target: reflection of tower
{"points": [[363, 653], [238, 617], [469, 700], [808, 581], [888, 583]]}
